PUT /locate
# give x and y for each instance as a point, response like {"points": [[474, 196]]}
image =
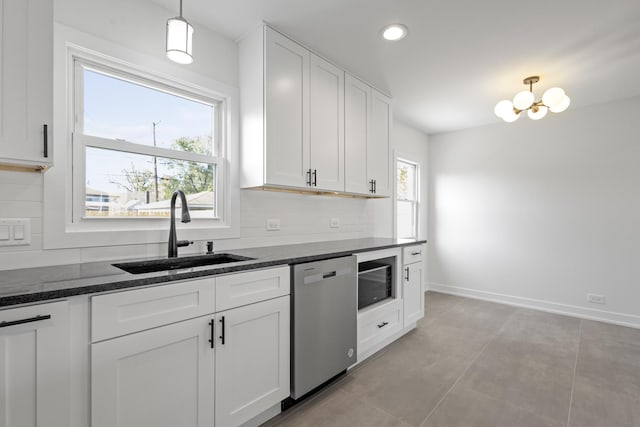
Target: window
{"points": [[136, 141], [407, 199]]}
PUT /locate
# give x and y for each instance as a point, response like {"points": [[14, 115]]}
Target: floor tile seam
{"points": [[471, 363], [575, 370]]}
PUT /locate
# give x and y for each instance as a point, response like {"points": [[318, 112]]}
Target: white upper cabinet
{"points": [[326, 110], [357, 130], [286, 98], [367, 139], [307, 126], [26, 82], [379, 145]]}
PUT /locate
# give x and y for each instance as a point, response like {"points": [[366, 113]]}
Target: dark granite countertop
{"points": [[45, 283]]}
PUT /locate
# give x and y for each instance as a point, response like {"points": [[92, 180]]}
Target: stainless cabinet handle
{"points": [[406, 270], [23, 321], [383, 324], [416, 253], [315, 177], [371, 190], [309, 177]]}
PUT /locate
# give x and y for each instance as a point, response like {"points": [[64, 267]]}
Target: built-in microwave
{"points": [[375, 281]]}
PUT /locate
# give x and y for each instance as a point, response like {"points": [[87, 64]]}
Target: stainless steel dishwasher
{"points": [[324, 314]]}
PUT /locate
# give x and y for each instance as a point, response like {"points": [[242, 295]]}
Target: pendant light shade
{"points": [[179, 39]]}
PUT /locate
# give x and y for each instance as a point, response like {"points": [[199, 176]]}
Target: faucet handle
{"points": [[181, 243], [210, 248]]}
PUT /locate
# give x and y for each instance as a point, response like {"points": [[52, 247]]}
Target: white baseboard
{"points": [[549, 306]]}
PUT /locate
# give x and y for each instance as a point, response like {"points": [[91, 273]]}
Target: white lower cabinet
{"points": [[34, 366], [162, 377], [413, 295], [221, 369], [413, 283], [252, 366]]}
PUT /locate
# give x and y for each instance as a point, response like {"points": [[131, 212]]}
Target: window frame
{"points": [[128, 234], [414, 203], [80, 141]]}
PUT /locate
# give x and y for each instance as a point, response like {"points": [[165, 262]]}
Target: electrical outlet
{"points": [[595, 299], [334, 223], [273, 224]]}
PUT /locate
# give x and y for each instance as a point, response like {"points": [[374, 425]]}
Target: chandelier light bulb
{"points": [[523, 100], [553, 97], [564, 104], [536, 113], [503, 108], [510, 116]]}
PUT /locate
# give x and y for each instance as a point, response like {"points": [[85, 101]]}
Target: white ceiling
{"points": [[461, 56]]}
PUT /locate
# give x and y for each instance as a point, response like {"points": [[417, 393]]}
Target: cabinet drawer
{"points": [[235, 290], [412, 254], [376, 325], [125, 312]]}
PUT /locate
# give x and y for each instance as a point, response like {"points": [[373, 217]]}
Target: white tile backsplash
{"points": [[303, 218]]}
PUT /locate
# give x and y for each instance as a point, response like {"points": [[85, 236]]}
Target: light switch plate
{"points": [[18, 231]]}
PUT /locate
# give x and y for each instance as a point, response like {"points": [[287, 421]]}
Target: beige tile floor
{"points": [[474, 363]]}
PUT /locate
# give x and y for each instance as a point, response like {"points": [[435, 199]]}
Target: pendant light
{"points": [[179, 39]]}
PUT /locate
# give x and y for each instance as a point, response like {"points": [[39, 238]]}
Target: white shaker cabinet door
{"points": [[326, 109], [26, 82], [34, 366], [357, 129], [286, 86], [162, 377], [252, 360], [413, 292], [379, 145]]}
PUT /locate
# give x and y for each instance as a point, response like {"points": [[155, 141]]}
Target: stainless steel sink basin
{"points": [[140, 267]]}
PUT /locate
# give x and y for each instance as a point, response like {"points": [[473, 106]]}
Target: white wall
{"points": [[541, 213], [140, 25]]}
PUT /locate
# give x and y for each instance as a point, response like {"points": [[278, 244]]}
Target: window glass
{"points": [[121, 184], [140, 141], [115, 108], [407, 199]]}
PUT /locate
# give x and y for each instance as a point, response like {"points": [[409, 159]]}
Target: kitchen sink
{"points": [[164, 264]]}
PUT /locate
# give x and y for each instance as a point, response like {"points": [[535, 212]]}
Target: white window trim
{"points": [[404, 157], [60, 231]]}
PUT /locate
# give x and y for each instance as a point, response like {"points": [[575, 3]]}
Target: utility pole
{"points": [[155, 159]]}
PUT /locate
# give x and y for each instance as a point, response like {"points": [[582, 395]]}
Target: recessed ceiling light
{"points": [[394, 32]]}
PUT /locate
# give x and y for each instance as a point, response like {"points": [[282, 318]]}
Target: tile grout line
{"points": [[491, 339], [575, 369]]}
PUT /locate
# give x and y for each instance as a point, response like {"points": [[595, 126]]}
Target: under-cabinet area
{"points": [[210, 351]]}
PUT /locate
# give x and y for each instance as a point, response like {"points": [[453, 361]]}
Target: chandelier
{"points": [[554, 100]]}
